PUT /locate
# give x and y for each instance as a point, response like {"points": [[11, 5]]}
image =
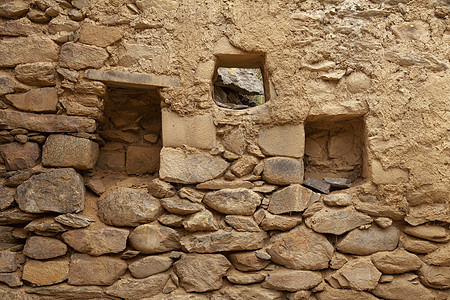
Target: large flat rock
{"points": [[233, 201], [46, 272], [283, 170], [294, 198], [19, 156], [36, 100], [135, 289], [285, 140], [154, 238], [27, 50], [80, 56]]}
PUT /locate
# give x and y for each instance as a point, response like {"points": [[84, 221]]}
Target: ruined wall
{"points": [[134, 184]]}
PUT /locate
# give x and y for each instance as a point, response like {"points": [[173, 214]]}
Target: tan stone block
{"points": [[37, 100], [194, 131], [286, 140], [27, 50], [46, 272], [100, 36]]}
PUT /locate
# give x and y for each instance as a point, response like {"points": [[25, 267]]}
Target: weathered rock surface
{"points": [[283, 170], [237, 277], [88, 270], [135, 289], [301, 248], [79, 56], [154, 238], [337, 221], [439, 257], [416, 245], [160, 189], [294, 198], [242, 223], [286, 140], [39, 247], [220, 241], [6, 197], [248, 261], [396, 262], [19, 156], [201, 272], [374, 239], [277, 222], [128, 207], [69, 151], [59, 191], [73, 220], [177, 166], [27, 50], [433, 233], [40, 74], [201, 221], [244, 165], [178, 206], [65, 291], [403, 287], [46, 272], [233, 201], [36, 100], [13, 9], [292, 280], [338, 199], [97, 241], [317, 185], [149, 265], [428, 212], [343, 294], [8, 262], [7, 238], [435, 277], [379, 210], [100, 36], [218, 184], [191, 194], [241, 80], [359, 274], [46, 226], [235, 292], [11, 279], [15, 216], [171, 220], [143, 159]]}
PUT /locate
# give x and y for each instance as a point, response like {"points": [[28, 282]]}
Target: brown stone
{"points": [[439, 257], [429, 212], [301, 248], [343, 294], [59, 191], [46, 272], [154, 238], [8, 239], [433, 233], [338, 199], [38, 16], [21, 27], [27, 50], [242, 223], [13, 9], [128, 207], [171, 220], [136, 289], [46, 226], [36, 100], [285, 140], [192, 194], [278, 222], [358, 274], [201, 221], [220, 241], [435, 277], [15, 216], [233, 201], [218, 184], [73, 220], [8, 262], [88, 270], [178, 206], [68, 292], [142, 159], [201, 272], [79, 56], [283, 170], [237, 277], [19, 156], [149, 265], [97, 241], [161, 189], [292, 280], [39, 247], [403, 287], [111, 161], [379, 210], [6, 197], [236, 292], [235, 142], [11, 279], [100, 36], [244, 165], [40, 74], [294, 198], [248, 261], [416, 245], [396, 262]]}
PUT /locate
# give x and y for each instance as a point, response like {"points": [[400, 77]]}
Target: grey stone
{"points": [[283, 170], [27, 50], [69, 151], [337, 183], [154, 238], [59, 191], [40, 74], [178, 206], [8, 262], [149, 265], [317, 185], [201, 272], [79, 56], [73, 220], [233, 201], [240, 80], [292, 281], [128, 207], [39, 247], [294, 198]]}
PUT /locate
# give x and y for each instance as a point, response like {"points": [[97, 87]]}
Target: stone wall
{"points": [[120, 178]]}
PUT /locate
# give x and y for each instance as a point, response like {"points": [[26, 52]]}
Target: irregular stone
{"points": [[433, 233], [439, 257], [233, 201], [435, 277], [234, 141], [383, 222], [300, 248], [73, 220], [242, 223], [177, 206], [59, 191], [176, 166], [161, 189], [365, 242], [201, 221], [341, 199], [338, 261], [292, 280], [8, 84], [337, 220], [96, 185], [100, 36], [244, 165], [45, 226], [317, 185], [403, 287], [343, 294], [277, 222], [135, 289], [40, 74], [45, 123], [128, 207], [46, 272], [38, 16], [283, 170], [19, 156], [171, 220], [15, 216], [79, 56], [248, 261], [294, 198], [360, 274], [6, 197], [143, 159], [191, 194], [358, 82], [7, 238], [97, 241], [36, 100], [88, 270], [149, 265], [379, 210], [337, 183], [237, 277], [286, 140], [13, 9], [67, 292], [416, 245], [69, 151], [235, 292], [241, 80], [27, 50], [21, 27], [429, 212], [218, 184], [8, 262], [201, 272], [11, 279], [153, 238], [219, 241], [38, 247], [396, 262], [265, 188]]}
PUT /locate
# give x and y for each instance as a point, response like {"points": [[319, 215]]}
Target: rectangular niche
{"points": [[131, 128], [335, 148]]}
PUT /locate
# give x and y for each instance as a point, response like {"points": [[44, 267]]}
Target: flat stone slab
{"points": [[318, 185], [136, 80]]}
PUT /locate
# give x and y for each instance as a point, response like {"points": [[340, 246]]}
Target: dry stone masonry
{"points": [[132, 165]]}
